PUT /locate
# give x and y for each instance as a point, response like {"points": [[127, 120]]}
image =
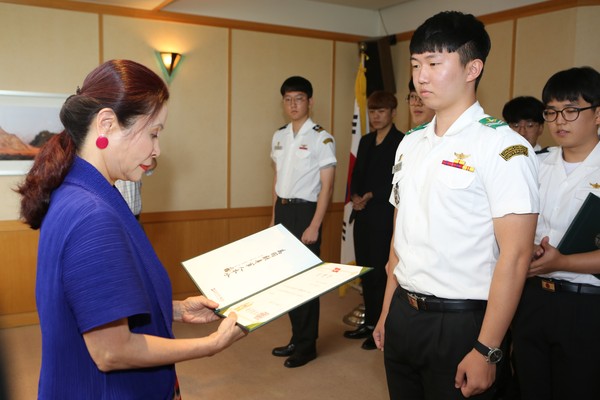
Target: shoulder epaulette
{"points": [[318, 128], [417, 128], [283, 127], [492, 122]]}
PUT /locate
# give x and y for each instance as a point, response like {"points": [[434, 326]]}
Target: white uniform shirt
{"points": [[561, 197], [299, 160], [132, 193], [447, 191]]}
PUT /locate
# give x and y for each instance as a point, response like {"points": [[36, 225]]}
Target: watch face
{"points": [[494, 356]]}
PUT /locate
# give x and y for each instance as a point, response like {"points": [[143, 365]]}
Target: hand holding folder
{"points": [[583, 234]]}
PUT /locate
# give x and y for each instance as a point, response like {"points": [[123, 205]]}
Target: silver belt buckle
{"points": [[413, 300]]}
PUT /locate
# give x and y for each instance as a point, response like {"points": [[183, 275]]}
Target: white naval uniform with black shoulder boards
{"points": [[562, 196], [447, 190], [299, 160]]}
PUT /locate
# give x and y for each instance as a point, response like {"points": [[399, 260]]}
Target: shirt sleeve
{"points": [[512, 178], [326, 150], [101, 279]]}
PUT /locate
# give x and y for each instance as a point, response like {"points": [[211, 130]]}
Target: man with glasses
{"points": [[524, 115], [557, 325], [420, 114], [304, 158]]}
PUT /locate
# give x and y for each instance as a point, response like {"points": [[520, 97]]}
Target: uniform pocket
{"points": [[455, 178], [302, 159]]}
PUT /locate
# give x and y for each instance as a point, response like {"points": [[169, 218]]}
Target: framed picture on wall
{"points": [[27, 121]]}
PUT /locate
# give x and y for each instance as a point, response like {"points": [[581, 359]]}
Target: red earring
{"points": [[102, 142]]}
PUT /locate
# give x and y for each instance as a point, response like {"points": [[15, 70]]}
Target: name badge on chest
{"points": [[398, 166]]}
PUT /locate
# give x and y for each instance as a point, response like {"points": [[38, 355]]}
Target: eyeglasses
{"points": [[569, 114], [414, 99], [294, 100], [528, 125]]}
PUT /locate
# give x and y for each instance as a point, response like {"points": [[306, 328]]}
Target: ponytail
{"points": [[47, 173]]}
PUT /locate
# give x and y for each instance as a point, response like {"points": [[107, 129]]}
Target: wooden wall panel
{"points": [[18, 255], [174, 238]]}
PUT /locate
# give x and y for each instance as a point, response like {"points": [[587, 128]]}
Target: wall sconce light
{"points": [[168, 63]]}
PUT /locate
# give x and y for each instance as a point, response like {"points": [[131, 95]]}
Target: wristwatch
{"points": [[492, 355]]}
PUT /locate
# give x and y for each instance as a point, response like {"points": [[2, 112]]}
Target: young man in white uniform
{"points": [[304, 157], [466, 198], [557, 325]]}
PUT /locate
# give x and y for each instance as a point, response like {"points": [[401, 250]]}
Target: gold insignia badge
{"points": [[328, 140], [461, 156], [595, 185], [516, 150], [548, 285]]}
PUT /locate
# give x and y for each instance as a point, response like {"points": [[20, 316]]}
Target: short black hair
{"points": [[382, 99], [523, 108], [572, 83], [453, 31], [297, 84]]}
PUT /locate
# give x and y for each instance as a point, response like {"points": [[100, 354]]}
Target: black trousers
{"points": [[296, 218], [422, 350], [372, 249], [556, 344]]}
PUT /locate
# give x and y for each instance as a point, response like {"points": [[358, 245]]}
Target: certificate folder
{"points": [[265, 275], [583, 234]]}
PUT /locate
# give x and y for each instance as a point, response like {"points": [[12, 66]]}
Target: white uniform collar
{"points": [[473, 113], [555, 157], [306, 127]]}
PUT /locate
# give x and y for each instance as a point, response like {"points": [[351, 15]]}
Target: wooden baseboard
{"points": [[20, 319]]}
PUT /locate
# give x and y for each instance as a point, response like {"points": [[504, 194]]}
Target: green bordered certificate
{"points": [[265, 275]]}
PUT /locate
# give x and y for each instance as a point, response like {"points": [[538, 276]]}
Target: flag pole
{"points": [[359, 128]]}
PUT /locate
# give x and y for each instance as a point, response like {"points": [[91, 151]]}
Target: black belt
{"points": [[292, 201], [554, 285], [431, 303]]}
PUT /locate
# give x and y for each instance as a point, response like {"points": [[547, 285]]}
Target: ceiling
{"points": [[193, 7], [358, 18]]}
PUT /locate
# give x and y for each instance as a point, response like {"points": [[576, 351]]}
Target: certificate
{"points": [[265, 275]]}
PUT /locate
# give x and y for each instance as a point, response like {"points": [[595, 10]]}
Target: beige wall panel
{"points": [[46, 50], [346, 68], [260, 63], [545, 45], [44, 55], [587, 40], [494, 87], [9, 200], [402, 73], [192, 170]]}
